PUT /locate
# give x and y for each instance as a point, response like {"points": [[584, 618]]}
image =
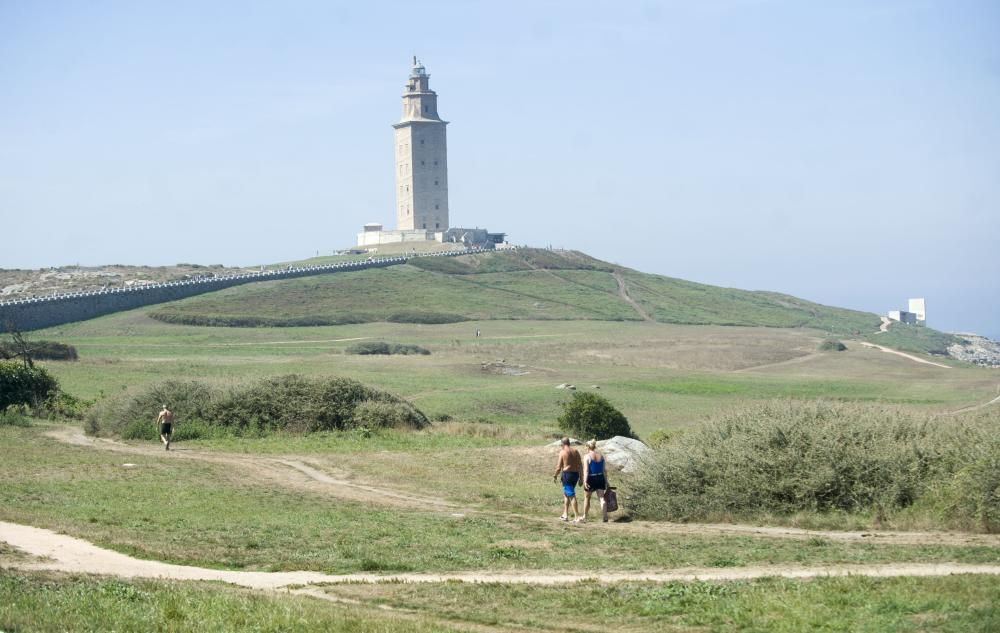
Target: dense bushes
{"points": [[789, 457], [426, 318], [378, 347], [21, 384], [589, 415], [285, 403], [832, 345], [40, 350], [228, 320], [225, 320]]}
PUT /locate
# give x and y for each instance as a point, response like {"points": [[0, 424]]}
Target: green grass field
{"points": [[959, 604], [225, 503]]}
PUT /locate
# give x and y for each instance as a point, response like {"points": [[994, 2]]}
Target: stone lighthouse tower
{"points": [[421, 158]]}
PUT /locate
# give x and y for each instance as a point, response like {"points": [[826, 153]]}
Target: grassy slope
{"points": [[527, 284]]}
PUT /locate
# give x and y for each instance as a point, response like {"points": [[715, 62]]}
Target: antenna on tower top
{"points": [[414, 60]]}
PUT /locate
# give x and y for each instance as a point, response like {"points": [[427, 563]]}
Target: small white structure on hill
{"points": [[916, 314]]}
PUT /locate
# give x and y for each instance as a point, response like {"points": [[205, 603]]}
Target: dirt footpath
{"points": [[58, 552]]}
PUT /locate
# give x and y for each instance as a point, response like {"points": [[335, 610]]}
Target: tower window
{"points": [[421, 163], [435, 163], [422, 140], [437, 225], [436, 207], [435, 183], [425, 225]]}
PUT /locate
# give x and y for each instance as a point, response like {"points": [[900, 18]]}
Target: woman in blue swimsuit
{"points": [[594, 479]]}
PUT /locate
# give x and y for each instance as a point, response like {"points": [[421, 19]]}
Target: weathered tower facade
{"points": [[421, 158]]}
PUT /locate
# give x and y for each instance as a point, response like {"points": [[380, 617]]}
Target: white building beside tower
{"points": [[421, 149]]}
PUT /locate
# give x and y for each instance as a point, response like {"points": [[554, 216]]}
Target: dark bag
{"points": [[610, 499]]}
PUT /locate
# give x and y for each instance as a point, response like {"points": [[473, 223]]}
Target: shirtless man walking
{"points": [[166, 423], [569, 466]]}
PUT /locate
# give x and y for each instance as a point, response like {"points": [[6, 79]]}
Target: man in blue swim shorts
{"points": [[568, 468]]}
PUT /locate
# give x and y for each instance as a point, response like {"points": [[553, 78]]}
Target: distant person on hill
{"points": [[166, 423], [568, 467], [594, 479]]}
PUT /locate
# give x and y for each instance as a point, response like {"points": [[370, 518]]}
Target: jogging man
{"points": [[166, 423]]}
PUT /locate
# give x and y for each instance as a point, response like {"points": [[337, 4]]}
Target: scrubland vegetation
{"points": [[789, 458], [386, 349], [283, 403]]}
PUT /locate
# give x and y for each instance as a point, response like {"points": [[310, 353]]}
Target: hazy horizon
{"points": [[847, 154]]}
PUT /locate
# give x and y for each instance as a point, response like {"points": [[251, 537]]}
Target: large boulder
{"points": [[624, 452]]}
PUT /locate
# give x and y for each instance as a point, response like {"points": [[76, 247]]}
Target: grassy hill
{"points": [[524, 284]]}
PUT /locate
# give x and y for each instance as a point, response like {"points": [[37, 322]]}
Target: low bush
{"points": [[378, 347], [40, 350], [21, 384], [284, 403], [426, 318], [588, 415], [784, 458], [222, 320], [63, 405], [15, 416], [373, 414], [658, 438], [832, 345]]}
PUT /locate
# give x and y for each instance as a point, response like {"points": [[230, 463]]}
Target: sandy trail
{"points": [[295, 473], [58, 552], [623, 293], [284, 471], [916, 359], [884, 327], [805, 358], [975, 407]]}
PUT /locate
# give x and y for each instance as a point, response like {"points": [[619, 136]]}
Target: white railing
{"points": [[298, 271]]}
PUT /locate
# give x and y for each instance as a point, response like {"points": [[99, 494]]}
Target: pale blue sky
{"points": [[844, 152]]}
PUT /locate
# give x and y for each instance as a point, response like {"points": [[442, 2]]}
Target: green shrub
{"points": [[222, 320], [427, 318], [832, 345], [589, 415], [378, 347], [24, 385], [783, 458], [283, 403], [129, 412], [41, 350], [15, 416], [974, 490], [63, 405], [398, 415], [658, 438]]}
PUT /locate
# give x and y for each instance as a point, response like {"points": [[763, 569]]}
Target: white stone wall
{"points": [[917, 307], [374, 238]]}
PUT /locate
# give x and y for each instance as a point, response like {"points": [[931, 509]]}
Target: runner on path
{"points": [[166, 423]]}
